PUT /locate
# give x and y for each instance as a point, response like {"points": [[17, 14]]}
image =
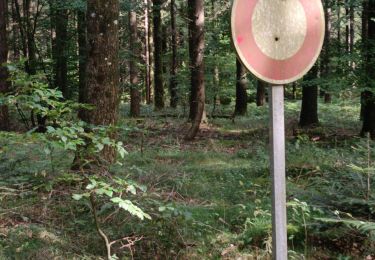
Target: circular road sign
{"points": [[278, 40]]}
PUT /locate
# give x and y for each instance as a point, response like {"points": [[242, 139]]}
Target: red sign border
{"points": [[305, 57]]}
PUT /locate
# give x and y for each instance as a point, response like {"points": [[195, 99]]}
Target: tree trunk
{"points": [[216, 88], [368, 103], [30, 34], [364, 50], [151, 46], [327, 53], [196, 53], [158, 57], [15, 35], [347, 28], [135, 96], [173, 80], [102, 68], [294, 90], [147, 53], [82, 52], [61, 62], [241, 86], [351, 25], [164, 47], [338, 6], [309, 110], [4, 84], [368, 98], [261, 93]]}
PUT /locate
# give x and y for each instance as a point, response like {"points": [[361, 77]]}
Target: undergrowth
{"points": [[208, 199]]}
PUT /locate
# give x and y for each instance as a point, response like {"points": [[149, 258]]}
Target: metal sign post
{"points": [[279, 42], [277, 154]]}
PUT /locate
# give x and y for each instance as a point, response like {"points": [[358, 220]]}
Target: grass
{"points": [[209, 199]]}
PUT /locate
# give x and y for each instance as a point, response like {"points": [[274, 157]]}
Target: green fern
{"points": [[365, 227]]}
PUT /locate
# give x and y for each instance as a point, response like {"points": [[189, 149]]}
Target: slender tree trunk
{"points": [[158, 57], [261, 93], [173, 81], [21, 27], [309, 110], [30, 34], [368, 97], [338, 6], [351, 34], [82, 52], [15, 35], [216, 88], [4, 84], [102, 68], [151, 45], [241, 86], [61, 62], [352, 29], [196, 51], [135, 96], [164, 47], [327, 48], [364, 50], [147, 52], [347, 29]]}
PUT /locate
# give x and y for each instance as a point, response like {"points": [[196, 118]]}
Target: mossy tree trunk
{"points": [[102, 70]]}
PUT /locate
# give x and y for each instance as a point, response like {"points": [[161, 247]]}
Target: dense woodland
{"points": [[130, 130]]}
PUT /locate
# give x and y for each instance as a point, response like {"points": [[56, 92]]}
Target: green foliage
{"points": [[365, 227], [113, 190], [31, 95]]}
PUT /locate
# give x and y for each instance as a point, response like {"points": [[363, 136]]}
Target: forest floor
{"points": [[209, 199]]}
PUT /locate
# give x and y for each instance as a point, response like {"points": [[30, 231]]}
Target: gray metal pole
{"points": [[277, 154]]}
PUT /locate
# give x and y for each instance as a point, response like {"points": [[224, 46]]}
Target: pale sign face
{"points": [[278, 40]]}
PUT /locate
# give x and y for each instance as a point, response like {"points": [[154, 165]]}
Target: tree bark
{"points": [[338, 6], [4, 84], [61, 62], [351, 25], [135, 96], [327, 49], [15, 35], [196, 53], [102, 68], [261, 93], [347, 27], [241, 86], [309, 110], [173, 81], [158, 57], [147, 52], [368, 98], [151, 46], [30, 34], [82, 52]]}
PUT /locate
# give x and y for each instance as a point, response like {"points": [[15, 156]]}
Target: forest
{"points": [[131, 130]]}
